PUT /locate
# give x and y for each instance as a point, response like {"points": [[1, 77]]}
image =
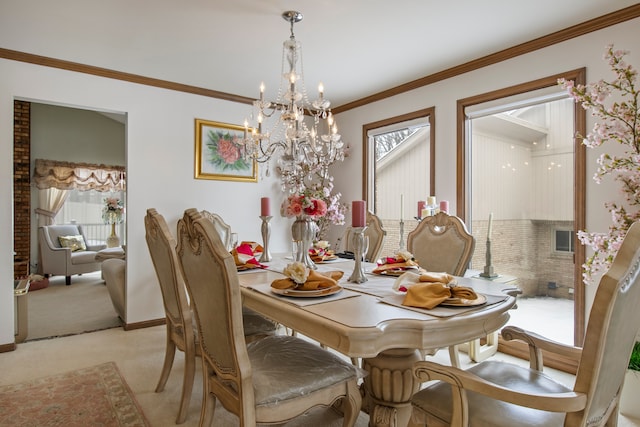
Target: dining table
{"points": [[367, 321]]}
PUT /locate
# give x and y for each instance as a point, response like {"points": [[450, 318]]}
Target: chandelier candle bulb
{"points": [[265, 207], [358, 216]]}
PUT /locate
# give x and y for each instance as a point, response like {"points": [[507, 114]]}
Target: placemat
{"points": [[441, 311]]}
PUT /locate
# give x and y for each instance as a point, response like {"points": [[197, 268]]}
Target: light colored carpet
{"points": [[60, 310]]}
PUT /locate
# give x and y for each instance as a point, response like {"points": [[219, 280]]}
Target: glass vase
{"points": [[113, 241], [304, 231]]}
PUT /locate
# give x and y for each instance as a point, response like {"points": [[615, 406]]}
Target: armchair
{"points": [[502, 394], [66, 261]]}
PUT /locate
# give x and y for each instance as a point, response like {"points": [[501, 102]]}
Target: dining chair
{"points": [[181, 329], [376, 234], [268, 381], [223, 229], [502, 394], [441, 243]]}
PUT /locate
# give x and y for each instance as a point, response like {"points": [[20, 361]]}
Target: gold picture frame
{"points": [[218, 153]]}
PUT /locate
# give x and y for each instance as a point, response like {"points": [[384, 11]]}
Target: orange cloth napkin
{"points": [[395, 264], [319, 255], [316, 280], [245, 255], [430, 294]]}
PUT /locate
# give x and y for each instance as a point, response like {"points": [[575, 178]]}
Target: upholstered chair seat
{"points": [[272, 359], [437, 402]]}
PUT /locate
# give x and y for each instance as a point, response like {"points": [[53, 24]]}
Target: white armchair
{"points": [[66, 261]]}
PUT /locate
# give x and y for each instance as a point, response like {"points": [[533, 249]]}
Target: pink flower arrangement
{"points": [[303, 204], [618, 121]]}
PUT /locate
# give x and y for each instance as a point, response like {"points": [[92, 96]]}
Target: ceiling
{"points": [[355, 47]]}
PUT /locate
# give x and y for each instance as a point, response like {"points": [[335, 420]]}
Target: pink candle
{"points": [[421, 205], [444, 206], [358, 213], [265, 208]]}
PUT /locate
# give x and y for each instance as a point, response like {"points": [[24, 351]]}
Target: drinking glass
{"points": [[365, 248], [234, 240]]}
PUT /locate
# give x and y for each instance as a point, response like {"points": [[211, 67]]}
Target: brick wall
{"points": [[524, 248], [21, 186]]}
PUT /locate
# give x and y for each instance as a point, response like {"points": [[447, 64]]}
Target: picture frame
{"points": [[218, 154]]}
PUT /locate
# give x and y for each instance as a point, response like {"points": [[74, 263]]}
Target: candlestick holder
{"points": [[488, 268], [266, 233], [401, 244], [358, 251]]}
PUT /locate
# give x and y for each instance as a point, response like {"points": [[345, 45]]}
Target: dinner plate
{"points": [[332, 258], [397, 272], [307, 294], [461, 302]]}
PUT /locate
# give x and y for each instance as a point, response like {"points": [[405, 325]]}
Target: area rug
{"points": [[94, 396]]}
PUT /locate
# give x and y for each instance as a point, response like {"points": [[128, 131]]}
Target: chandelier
{"points": [[280, 126]]}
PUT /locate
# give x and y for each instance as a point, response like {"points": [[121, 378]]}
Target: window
{"points": [[564, 240], [397, 151], [85, 208]]}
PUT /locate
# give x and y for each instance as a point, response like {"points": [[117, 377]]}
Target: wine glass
{"points": [[234, 241]]}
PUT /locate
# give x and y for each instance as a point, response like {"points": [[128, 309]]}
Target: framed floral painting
{"points": [[218, 153]]}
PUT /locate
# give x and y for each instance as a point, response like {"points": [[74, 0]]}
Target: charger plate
{"points": [[307, 294], [461, 302]]}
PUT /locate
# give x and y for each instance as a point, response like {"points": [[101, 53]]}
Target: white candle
{"points": [[489, 228], [402, 207]]}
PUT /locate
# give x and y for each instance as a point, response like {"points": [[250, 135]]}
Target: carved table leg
{"points": [[389, 387]]}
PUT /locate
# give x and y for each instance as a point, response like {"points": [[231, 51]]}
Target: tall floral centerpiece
{"points": [[112, 213], [306, 207], [619, 122]]}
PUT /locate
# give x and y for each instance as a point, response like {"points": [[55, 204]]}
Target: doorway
{"points": [[58, 133]]}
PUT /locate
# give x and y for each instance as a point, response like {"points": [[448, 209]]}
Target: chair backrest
{"points": [[442, 243], [611, 332], [57, 230], [162, 246], [223, 229], [376, 233], [210, 274]]}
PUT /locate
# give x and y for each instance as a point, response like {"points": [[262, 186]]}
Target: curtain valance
{"points": [[82, 176]]}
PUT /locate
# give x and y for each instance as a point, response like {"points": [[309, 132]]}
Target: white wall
{"points": [[160, 165], [585, 51]]}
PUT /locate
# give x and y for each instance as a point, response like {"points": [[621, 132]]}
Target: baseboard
{"points": [[145, 324], [4, 348]]}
